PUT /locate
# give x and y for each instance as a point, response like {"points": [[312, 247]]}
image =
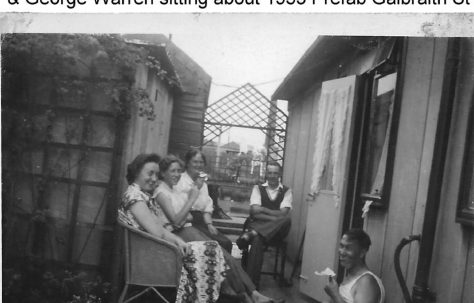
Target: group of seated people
{"points": [[170, 200]]}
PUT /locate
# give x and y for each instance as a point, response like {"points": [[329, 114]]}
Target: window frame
{"points": [[387, 68]]}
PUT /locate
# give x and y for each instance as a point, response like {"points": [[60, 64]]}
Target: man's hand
{"points": [[189, 218], [332, 289], [256, 210]]}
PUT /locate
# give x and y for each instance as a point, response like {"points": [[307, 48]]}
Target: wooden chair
{"points": [[279, 246], [150, 262]]}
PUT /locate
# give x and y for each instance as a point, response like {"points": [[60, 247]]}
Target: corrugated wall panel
{"points": [[452, 269], [189, 106], [290, 175], [407, 167], [303, 142], [452, 275]]}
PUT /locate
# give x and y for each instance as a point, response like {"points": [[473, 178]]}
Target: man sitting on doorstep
{"points": [[359, 284], [269, 220]]}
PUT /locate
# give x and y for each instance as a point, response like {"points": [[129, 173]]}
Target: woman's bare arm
{"points": [[167, 206], [146, 219], [154, 226]]}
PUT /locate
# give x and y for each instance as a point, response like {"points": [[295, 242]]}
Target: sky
{"points": [[260, 51], [239, 48], [251, 49]]}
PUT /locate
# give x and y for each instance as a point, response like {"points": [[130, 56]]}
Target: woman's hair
{"points": [[166, 162], [134, 168], [191, 154], [357, 234]]}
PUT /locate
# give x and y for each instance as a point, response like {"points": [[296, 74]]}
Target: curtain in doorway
{"points": [[332, 116]]}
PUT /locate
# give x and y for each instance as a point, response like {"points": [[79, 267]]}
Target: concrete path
{"points": [[238, 211]]}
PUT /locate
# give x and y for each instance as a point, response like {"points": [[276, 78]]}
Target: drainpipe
{"points": [[421, 292]]}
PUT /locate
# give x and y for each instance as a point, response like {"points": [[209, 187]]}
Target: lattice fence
{"points": [[247, 108]]}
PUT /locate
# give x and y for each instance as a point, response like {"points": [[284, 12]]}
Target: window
{"points": [[379, 125]]}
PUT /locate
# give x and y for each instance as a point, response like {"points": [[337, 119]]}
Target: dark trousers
{"points": [[198, 222], [268, 233], [237, 279]]}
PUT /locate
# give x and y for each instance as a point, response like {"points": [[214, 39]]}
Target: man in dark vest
{"points": [[269, 220]]}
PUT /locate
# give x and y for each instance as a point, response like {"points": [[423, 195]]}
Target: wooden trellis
{"points": [[68, 174], [246, 107]]}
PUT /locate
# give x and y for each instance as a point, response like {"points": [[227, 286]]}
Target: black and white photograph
{"points": [[237, 158]]}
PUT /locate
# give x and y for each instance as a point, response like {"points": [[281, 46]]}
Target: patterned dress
{"points": [[204, 269]]}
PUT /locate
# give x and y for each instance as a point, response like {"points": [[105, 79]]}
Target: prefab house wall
{"points": [[143, 135], [420, 103], [451, 275], [190, 105], [452, 269], [188, 115], [297, 172]]}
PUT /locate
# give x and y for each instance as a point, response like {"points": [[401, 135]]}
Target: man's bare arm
{"points": [[277, 213], [260, 212], [367, 290]]}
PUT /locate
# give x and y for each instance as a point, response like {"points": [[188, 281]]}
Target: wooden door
{"points": [[330, 163]]}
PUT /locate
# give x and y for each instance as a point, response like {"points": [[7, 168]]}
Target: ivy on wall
{"points": [[72, 60], [74, 67]]}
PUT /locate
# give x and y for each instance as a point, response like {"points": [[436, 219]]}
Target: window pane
{"points": [[381, 112]]}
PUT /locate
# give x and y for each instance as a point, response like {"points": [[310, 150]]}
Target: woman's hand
{"points": [[183, 246], [199, 182], [212, 229], [193, 194]]}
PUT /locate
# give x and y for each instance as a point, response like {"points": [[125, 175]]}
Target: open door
{"points": [[326, 202]]}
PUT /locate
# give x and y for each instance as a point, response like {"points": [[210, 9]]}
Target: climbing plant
{"points": [[74, 60], [74, 67]]}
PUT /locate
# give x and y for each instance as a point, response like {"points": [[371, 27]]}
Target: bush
{"points": [[33, 281]]}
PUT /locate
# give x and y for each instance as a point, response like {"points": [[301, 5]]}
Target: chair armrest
{"points": [[148, 255], [153, 238]]}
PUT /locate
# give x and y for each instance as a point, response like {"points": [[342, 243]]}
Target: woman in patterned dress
{"points": [[204, 267], [175, 211]]}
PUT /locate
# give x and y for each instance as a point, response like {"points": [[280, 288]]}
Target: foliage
{"points": [[32, 280], [78, 62], [73, 67], [75, 71]]}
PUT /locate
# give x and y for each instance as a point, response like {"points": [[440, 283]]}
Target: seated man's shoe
{"points": [[260, 298], [220, 214], [244, 240]]}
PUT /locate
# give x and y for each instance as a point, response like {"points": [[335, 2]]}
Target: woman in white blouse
{"points": [[176, 210], [201, 210]]}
